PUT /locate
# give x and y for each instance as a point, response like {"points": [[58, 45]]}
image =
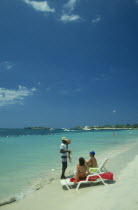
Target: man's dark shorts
{"points": [[64, 164], [64, 161]]}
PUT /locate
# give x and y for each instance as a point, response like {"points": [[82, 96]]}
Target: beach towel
{"points": [[107, 175]]}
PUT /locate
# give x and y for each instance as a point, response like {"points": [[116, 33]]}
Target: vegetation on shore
{"points": [[117, 126], [36, 128]]}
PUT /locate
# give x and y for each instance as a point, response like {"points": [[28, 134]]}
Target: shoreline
{"points": [[43, 198]]}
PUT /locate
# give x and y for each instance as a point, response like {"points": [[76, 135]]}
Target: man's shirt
{"points": [[64, 147]]}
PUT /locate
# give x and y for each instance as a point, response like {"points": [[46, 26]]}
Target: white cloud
{"points": [[11, 96], [70, 18], [71, 4], [67, 12], [41, 6], [6, 65], [114, 111], [96, 19]]}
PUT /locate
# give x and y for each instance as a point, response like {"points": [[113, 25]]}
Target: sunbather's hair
{"points": [[81, 161]]}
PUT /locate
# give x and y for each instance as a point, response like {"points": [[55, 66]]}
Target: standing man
{"points": [[64, 151]]}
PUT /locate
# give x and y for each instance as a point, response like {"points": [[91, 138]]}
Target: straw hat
{"points": [[65, 139]]}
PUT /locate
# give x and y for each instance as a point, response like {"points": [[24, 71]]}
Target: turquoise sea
{"points": [[28, 157]]}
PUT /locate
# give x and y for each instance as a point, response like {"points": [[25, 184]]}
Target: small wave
{"points": [[15, 198], [8, 201], [36, 186], [55, 175]]}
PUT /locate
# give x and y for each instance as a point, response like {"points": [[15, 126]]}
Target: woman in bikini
{"points": [[81, 170]]}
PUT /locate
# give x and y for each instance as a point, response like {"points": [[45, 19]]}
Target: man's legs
{"points": [[64, 167]]}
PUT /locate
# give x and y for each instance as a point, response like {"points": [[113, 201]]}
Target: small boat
{"points": [[86, 128], [65, 129]]}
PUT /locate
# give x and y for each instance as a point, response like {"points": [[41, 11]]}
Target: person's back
{"points": [[81, 169]]}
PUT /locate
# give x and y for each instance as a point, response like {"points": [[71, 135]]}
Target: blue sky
{"points": [[68, 62]]}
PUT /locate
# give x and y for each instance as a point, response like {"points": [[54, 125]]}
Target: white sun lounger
{"points": [[68, 183], [99, 169]]}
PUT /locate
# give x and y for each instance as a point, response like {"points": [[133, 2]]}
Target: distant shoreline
{"points": [[113, 128], [83, 128], [37, 128]]}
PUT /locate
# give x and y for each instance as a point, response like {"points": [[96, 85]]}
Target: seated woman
{"points": [[81, 170]]}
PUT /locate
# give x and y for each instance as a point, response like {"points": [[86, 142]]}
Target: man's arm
{"points": [[64, 151], [77, 174], [88, 172], [88, 162]]}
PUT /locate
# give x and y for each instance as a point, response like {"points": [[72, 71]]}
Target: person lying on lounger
{"points": [[92, 162], [82, 170]]}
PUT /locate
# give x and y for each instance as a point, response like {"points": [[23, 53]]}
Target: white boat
{"points": [[65, 129], [86, 128]]}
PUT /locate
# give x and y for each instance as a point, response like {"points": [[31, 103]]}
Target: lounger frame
{"points": [[67, 182]]}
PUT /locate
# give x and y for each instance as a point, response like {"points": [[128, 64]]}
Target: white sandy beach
{"points": [[121, 194]]}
